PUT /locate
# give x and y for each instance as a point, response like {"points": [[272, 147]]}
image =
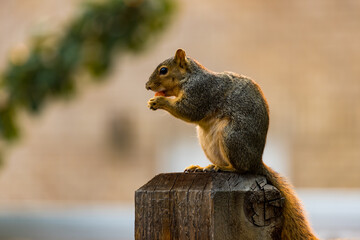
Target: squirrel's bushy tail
{"points": [[295, 227]]}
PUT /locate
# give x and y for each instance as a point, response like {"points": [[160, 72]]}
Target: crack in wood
{"points": [[263, 204]]}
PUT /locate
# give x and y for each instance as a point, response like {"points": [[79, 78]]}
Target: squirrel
{"points": [[232, 118]]}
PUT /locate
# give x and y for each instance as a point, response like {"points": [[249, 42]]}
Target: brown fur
{"points": [[233, 118]]}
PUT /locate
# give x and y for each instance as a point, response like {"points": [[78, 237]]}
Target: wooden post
{"points": [[217, 206]]}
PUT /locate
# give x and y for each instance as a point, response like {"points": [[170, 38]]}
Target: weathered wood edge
{"points": [[181, 189]]}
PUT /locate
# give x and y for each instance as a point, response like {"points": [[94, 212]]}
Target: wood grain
{"points": [[217, 206]]}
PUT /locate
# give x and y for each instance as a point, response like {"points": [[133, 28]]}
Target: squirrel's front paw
{"points": [[156, 103]]}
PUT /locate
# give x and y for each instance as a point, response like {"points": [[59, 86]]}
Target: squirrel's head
{"points": [[167, 78]]}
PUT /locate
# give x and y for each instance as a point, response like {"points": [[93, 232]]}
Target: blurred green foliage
{"points": [[88, 43]]}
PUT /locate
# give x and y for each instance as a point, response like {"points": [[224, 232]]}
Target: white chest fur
{"points": [[211, 137]]}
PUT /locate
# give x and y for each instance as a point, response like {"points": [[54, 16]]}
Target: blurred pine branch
{"points": [[89, 41]]}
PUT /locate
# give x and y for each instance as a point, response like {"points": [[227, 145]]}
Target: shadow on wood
{"points": [[217, 206]]}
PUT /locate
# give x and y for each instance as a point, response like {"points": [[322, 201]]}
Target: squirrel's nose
{"points": [[147, 86]]}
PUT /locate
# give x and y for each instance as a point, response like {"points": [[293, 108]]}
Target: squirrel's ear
{"points": [[180, 58]]}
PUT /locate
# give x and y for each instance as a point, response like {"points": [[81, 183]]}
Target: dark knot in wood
{"points": [[263, 203]]}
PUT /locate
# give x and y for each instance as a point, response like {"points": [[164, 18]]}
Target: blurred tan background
{"points": [[103, 145]]}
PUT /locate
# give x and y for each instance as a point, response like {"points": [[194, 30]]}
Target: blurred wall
{"points": [[106, 143]]}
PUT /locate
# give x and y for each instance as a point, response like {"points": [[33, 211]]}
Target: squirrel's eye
{"points": [[163, 71]]}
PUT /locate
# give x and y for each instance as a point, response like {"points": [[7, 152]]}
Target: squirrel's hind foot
{"points": [[193, 168], [216, 168], [197, 168], [209, 168]]}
